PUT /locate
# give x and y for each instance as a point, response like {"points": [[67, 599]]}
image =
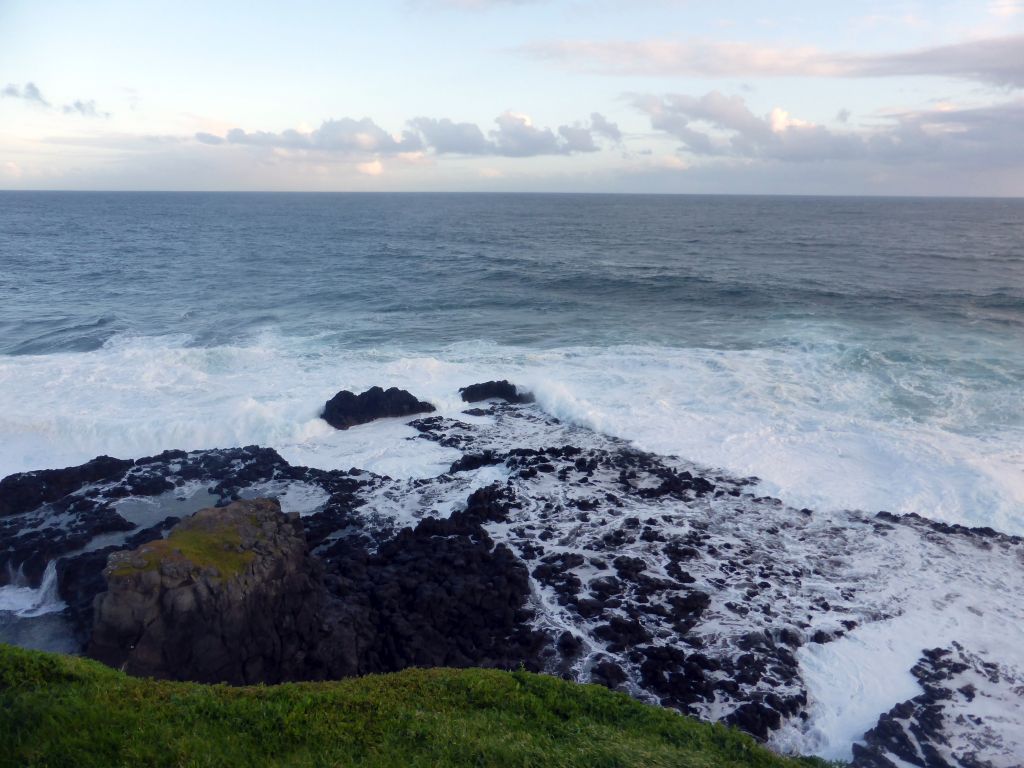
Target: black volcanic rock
{"points": [[79, 581], [233, 595], [347, 409], [494, 390], [439, 594], [27, 490], [913, 731], [28, 550]]}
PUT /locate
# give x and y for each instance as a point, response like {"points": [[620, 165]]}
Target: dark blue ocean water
{"points": [[859, 352], [78, 269]]}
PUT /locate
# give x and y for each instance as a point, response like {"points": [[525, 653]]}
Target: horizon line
{"points": [[369, 192]]}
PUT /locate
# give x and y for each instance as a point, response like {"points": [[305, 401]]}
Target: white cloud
{"points": [[515, 135], [344, 136], [1006, 8], [719, 126], [371, 168], [997, 61], [780, 121]]}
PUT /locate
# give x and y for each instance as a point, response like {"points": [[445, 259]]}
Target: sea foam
{"points": [[818, 431]]}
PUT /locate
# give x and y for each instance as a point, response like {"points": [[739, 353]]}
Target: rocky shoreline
{"points": [[544, 545]]}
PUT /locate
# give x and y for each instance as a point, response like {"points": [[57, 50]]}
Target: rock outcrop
{"points": [[230, 595], [347, 409], [27, 490], [494, 390]]}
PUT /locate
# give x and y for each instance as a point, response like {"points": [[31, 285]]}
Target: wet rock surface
{"points": [[26, 491], [958, 686], [494, 390], [347, 409], [574, 553]]}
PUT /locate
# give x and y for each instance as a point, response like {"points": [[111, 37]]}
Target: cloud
{"points": [[600, 125], [209, 138], [995, 61], [448, 137], [371, 168], [1006, 8], [344, 136], [719, 126], [83, 108], [515, 135], [28, 92]]}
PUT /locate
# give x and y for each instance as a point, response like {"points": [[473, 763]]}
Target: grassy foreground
{"points": [[66, 711]]}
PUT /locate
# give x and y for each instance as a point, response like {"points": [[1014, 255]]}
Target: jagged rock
{"points": [[755, 718], [914, 731], [439, 594], [494, 390], [79, 581], [229, 596], [347, 409], [27, 490], [27, 550], [471, 461]]}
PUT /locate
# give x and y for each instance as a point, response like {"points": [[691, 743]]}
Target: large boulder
{"points": [[231, 595], [494, 390], [347, 409]]}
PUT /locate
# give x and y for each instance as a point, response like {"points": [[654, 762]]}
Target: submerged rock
{"points": [[347, 409], [229, 596], [494, 390]]}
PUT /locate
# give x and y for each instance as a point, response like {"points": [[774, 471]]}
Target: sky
{"points": [[665, 96]]}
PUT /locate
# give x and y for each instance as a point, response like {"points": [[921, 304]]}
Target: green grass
{"points": [[67, 711], [204, 543]]}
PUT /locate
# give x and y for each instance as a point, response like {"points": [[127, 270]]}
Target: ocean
{"points": [[852, 353]]}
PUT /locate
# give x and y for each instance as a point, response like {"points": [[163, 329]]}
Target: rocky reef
{"points": [[540, 544]]}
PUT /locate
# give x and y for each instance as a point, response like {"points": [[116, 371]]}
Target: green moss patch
{"points": [[206, 545], [66, 711]]}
